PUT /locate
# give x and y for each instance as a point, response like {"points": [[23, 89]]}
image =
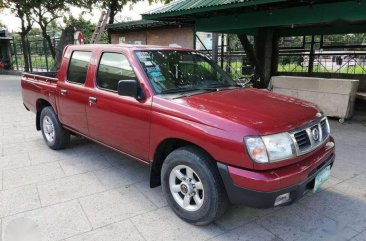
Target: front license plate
{"points": [[321, 178]]}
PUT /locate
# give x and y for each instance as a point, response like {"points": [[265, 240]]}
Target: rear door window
{"points": [[112, 68], [78, 67]]}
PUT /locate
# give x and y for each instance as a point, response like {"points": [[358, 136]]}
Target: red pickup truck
{"points": [[206, 139]]}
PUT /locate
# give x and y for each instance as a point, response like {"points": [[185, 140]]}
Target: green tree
{"points": [[85, 26], [67, 37], [2, 5], [22, 10], [45, 12], [116, 6]]}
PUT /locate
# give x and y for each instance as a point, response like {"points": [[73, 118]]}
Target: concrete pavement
{"points": [[88, 192]]}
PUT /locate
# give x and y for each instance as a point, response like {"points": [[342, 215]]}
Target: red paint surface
{"points": [[216, 121]]}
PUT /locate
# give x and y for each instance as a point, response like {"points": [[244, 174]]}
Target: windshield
{"points": [[177, 71]]}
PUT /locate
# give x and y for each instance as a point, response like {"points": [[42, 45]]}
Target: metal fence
{"points": [[309, 57], [234, 63], [40, 58], [296, 59], [342, 62], [322, 54]]}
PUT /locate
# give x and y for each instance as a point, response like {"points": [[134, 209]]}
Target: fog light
{"points": [[281, 199]]}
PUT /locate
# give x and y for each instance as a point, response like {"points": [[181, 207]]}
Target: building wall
{"points": [[181, 36]]}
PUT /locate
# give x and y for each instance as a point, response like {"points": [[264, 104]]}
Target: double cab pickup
{"points": [[208, 140]]}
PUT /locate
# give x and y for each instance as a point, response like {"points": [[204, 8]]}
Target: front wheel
{"points": [[193, 186], [55, 136]]}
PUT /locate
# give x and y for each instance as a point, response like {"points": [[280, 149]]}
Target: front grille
{"points": [[324, 128], [302, 140], [310, 137]]}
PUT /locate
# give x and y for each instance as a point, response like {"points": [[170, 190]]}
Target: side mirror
{"points": [[130, 88]]}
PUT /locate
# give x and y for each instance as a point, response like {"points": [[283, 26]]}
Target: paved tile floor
{"points": [[88, 192]]}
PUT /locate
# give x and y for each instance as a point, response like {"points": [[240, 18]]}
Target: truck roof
{"points": [[130, 47]]}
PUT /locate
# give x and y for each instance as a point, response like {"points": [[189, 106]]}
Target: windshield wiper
{"points": [[220, 85], [209, 88], [180, 90]]}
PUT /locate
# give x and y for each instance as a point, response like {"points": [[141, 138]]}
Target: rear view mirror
{"points": [[130, 88]]}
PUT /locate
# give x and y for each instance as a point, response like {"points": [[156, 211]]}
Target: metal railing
{"points": [[342, 62], [307, 55], [236, 63], [289, 61], [40, 58]]}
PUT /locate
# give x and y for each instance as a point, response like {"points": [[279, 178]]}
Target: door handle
{"points": [[63, 92], [92, 99]]}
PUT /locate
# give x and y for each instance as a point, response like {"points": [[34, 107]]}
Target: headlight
{"points": [[270, 148], [257, 149]]}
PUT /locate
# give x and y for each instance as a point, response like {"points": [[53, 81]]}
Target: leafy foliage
{"points": [[22, 10], [85, 26], [44, 12], [116, 6]]}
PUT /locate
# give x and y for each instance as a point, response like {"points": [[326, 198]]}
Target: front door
{"points": [[118, 121], [73, 96]]}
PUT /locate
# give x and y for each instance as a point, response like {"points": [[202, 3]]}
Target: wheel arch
{"points": [[164, 148], [40, 105]]}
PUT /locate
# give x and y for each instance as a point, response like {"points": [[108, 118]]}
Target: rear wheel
{"points": [[55, 136], [193, 186]]}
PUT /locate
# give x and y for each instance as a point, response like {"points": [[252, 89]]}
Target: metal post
{"points": [[45, 52], [311, 56], [215, 38], [146, 37], [228, 50], [222, 50], [15, 53], [321, 41], [29, 55], [194, 37]]}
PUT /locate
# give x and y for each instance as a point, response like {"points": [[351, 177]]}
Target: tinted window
{"points": [[113, 67], [78, 67]]}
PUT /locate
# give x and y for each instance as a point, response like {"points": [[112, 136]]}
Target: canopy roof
{"points": [[140, 25], [248, 16], [184, 7]]}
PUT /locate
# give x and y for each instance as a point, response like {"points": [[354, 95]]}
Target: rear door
{"points": [[118, 121], [73, 96]]}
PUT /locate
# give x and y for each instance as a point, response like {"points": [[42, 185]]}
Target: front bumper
{"points": [[266, 199]]}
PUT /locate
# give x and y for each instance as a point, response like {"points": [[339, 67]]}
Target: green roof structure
{"points": [[267, 21], [183, 7], [248, 16], [140, 25]]}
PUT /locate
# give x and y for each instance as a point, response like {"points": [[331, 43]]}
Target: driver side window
{"points": [[112, 68]]}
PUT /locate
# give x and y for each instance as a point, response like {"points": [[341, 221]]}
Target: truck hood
{"points": [[263, 111]]}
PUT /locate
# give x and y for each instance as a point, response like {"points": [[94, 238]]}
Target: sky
{"points": [[128, 13]]}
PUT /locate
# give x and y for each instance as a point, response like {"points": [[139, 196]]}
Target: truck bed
{"points": [[38, 86], [41, 75]]}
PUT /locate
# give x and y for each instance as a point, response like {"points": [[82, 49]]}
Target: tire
{"points": [[207, 199], [55, 136]]}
